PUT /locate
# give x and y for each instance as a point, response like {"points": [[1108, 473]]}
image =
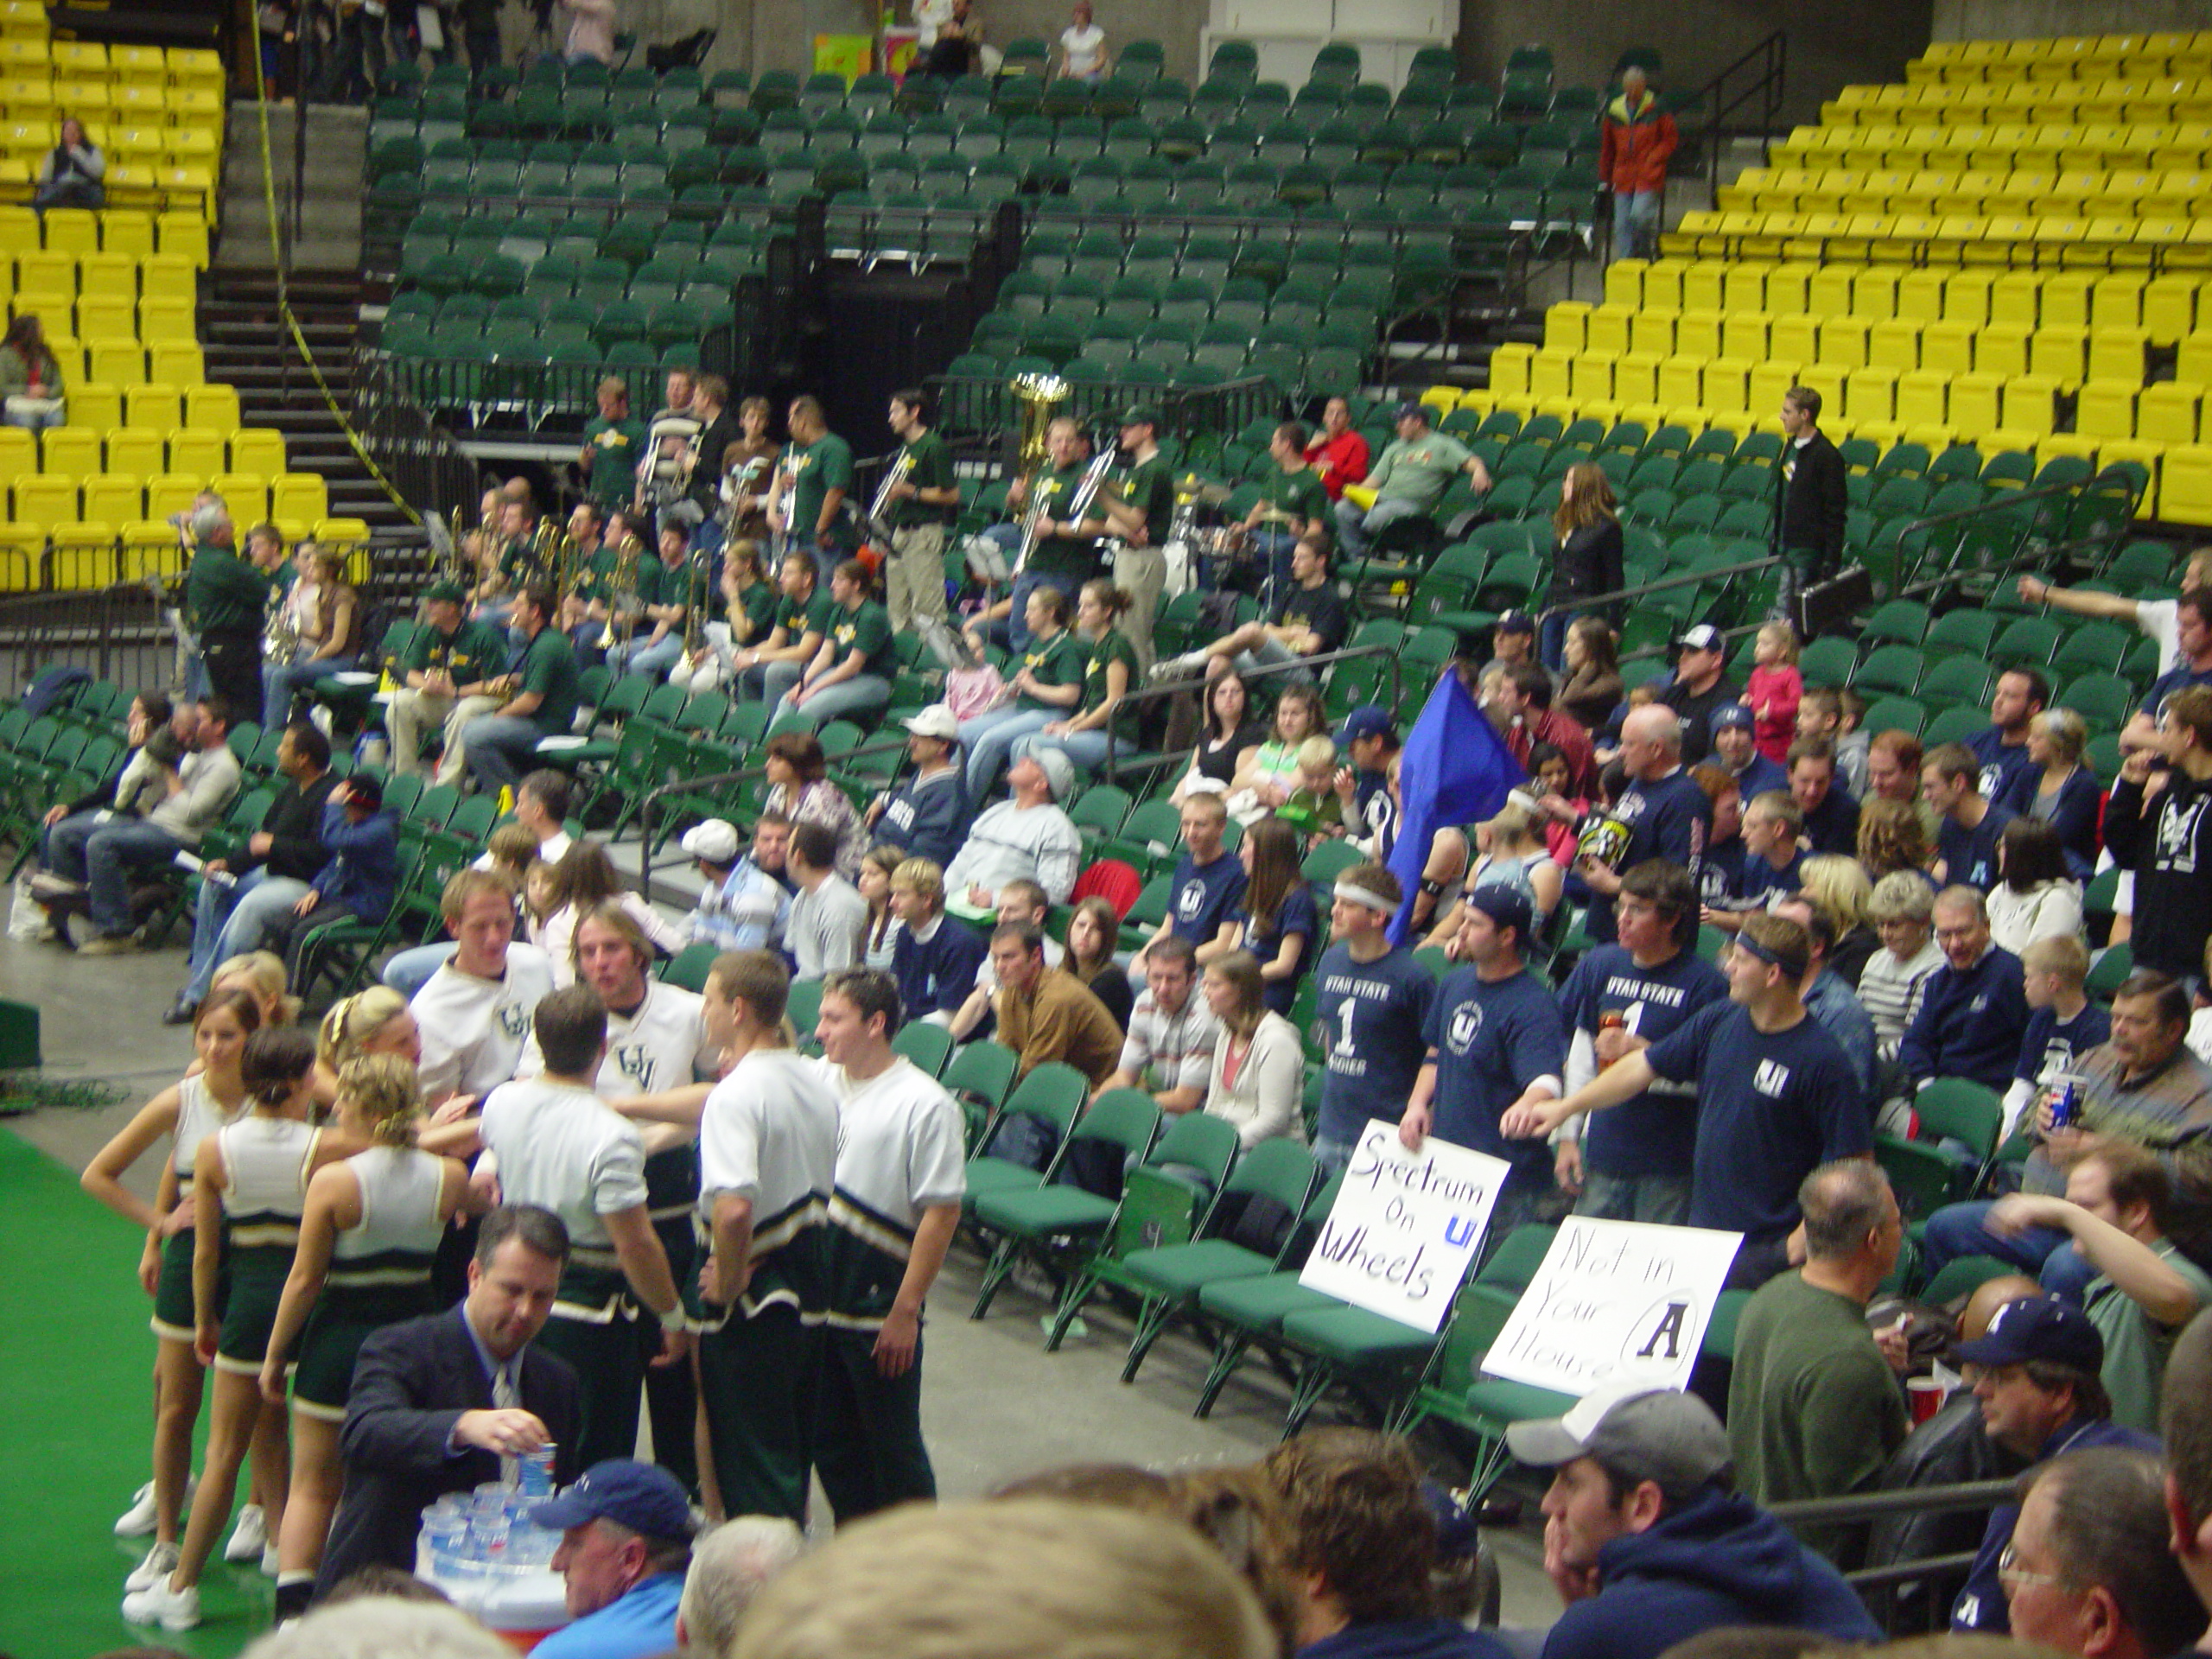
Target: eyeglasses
{"points": [[2009, 1568]]}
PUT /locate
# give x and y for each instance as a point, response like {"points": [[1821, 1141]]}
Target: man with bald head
{"points": [[1667, 813]]}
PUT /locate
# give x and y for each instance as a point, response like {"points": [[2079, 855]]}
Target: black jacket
{"points": [[410, 1385], [1588, 561], [2167, 841], [1810, 502], [295, 820]]}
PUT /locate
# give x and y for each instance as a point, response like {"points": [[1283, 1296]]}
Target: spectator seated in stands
{"points": [[1019, 900], [829, 918], [1169, 1049], [2035, 1372], [130, 789], [1027, 838], [1338, 452], [2143, 1087], [927, 814], [2056, 789], [1045, 684], [1292, 507], [1368, 742], [1361, 1543], [2063, 1024], [1309, 619], [1517, 697], [71, 174], [2091, 1573], [2165, 835], [1734, 745], [801, 623], [1647, 1544], [1773, 856], [743, 902], [357, 881], [2035, 896], [1373, 1001], [541, 699], [2191, 669], [1207, 887], [730, 1564], [1408, 480], [446, 680], [1968, 823], [31, 392], [663, 601], [1667, 813], [800, 787], [1894, 983], [1257, 1078], [1814, 1406], [90, 858], [1088, 734], [1044, 1013], [934, 957], [2115, 1211], [850, 676], [1973, 1011], [2019, 696], [1831, 816]]}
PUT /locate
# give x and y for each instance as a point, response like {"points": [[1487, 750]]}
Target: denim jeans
{"points": [[1357, 530], [1635, 223], [653, 660], [229, 921], [862, 695], [282, 686], [1331, 1155], [1551, 640], [2046, 1252], [501, 747], [1086, 751], [410, 970], [101, 855], [989, 740]]}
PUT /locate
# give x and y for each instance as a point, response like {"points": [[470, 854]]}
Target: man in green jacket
{"points": [[226, 600]]}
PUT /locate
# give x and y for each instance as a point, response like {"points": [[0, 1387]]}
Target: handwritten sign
{"points": [[1615, 1301], [1404, 1226]]}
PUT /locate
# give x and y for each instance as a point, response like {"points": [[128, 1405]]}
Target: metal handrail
{"points": [[1773, 54], [1684, 579], [1875, 1506], [1922, 583]]}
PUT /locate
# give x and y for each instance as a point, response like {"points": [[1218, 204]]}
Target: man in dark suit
{"points": [[439, 1403], [1810, 501]]}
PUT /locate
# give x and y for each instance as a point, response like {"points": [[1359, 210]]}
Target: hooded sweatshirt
{"points": [[1406, 1638], [1716, 1560]]}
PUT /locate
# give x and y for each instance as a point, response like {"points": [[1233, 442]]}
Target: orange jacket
{"points": [[1635, 146]]}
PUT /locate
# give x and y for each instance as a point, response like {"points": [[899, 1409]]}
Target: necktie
{"points": [[504, 1398]]}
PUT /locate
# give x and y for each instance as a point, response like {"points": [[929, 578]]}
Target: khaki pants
{"points": [[412, 713], [1141, 572], [913, 577]]}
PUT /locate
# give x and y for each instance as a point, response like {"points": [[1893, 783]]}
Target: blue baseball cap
{"points": [[2038, 1327], [1368, 720], [1732, 716], [642, 1497], [1506, 906]]}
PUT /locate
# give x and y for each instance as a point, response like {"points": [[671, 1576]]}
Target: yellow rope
{"points": [[284, 292]]}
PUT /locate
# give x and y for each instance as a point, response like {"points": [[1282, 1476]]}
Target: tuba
{"points": [[1041, 397]]}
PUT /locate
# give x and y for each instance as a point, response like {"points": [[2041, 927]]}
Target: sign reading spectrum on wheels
{"points": [[1616, 1301], [1404, 1226]]}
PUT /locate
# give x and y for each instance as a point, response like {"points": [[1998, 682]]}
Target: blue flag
{"points": [[1455, 769]]}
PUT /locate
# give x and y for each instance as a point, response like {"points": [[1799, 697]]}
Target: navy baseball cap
{"points": [[1704, 637], [1412, 408], [2038, 1327], [642, 1497], [1515, 622], [1368, 720], [1732, 716], [1506, 906]]}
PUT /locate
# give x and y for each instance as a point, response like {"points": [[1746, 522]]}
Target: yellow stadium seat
{"points": [[2028, 403], [168, 276], [1743, 286], [1894, 343], [1870, 394], [2185, 484], [2105, 408], [1793, 338], [1967, 297], [18, 452], [178, 232], [176, 362], [74, 231], [152, 405], [2194, 361], [1625, 282], [257, 449], [137, 450], [2117, 354], [1636, 378], [2001, 348], [108, 275], [1874, 292], [41, 270], [46, 497], [115, 498], [300, 495], [1827, 294], [2169, 412], [1843, 342], [127, 231], [1702, 285], [213, 408], [165, 317], [2116, 302], [2168, 308], [1567, 326], [1744, 334], [1947, 347], [1509, 369], [95, 403], [246, 494], [1727, 385], [73, 449], [1976, 403], [1588, 379], [170, 494], [106, 317], [204, 453], [21, 546], [1697, 333], [2060, 352], [122, 361], [26, 56], [2016, 297], [1922, 396], [1824, 378], [30, 100], [1920, 295], [1680, 381], [1651, 333], [1663, 284], [2064, 301]]}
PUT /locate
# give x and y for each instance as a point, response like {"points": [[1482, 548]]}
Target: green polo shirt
{"points": [[1073, 556], [549, 668], [1055, 661], [931, 470], [223, 594], [614, 447], [822, 465], [1300, 494], [1149, 486], [866, 627], [472, 651]]}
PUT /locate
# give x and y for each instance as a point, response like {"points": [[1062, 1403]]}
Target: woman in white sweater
{"points": [[2035, 896], [1258, 1080]]}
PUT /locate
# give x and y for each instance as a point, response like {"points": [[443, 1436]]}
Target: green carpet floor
{"points": [[76, 1363]]}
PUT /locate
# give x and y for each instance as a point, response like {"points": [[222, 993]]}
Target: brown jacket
{"points": [[1061, 1021]]}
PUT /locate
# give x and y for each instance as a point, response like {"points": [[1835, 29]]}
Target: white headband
{"points": [[1368, 896]]}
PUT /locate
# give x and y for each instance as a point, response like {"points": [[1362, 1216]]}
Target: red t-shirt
{"points": [[1339, 460]]}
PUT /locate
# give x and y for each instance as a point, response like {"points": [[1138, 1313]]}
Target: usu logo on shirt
{"points": [[514, 1019], [1772, 1078], [635, 1061], [1466, 1026], [1190, 901]]}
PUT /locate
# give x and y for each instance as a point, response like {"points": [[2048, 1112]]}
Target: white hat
{"points": [[711, 842], [1059, 771], [937, 721]]}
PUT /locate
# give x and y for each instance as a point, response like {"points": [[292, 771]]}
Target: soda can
{"points": [[2065, 1103], [534, 1472]]}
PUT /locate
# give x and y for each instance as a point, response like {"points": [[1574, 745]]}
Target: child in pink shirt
{"points": [[1776, 687]]}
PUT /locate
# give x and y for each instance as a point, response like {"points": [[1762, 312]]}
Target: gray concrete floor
{"points": [[997, 1407]]}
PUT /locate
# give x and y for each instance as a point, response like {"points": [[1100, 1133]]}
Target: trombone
{"points": [[696, 573], [622, 592]]}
